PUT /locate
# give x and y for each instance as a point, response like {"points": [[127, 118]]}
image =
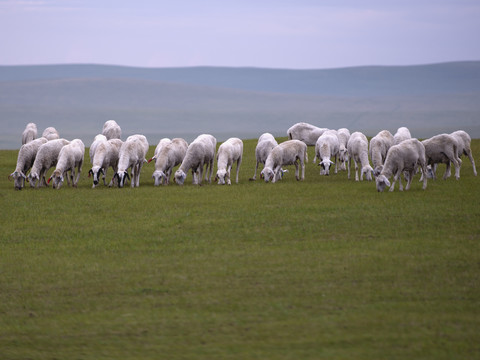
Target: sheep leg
{"points": [[348, 167], [409, 181], [335, 164], [239, 161], [468, 152], [302, 164], [448, 171], [297, 171], [424, 174], [356, 170]]}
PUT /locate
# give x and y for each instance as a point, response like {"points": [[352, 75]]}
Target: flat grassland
{"points": [[324, 268]]}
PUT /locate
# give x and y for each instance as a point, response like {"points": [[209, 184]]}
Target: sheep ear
{"points": [[126, 175], [387, 182], [90, 173]]}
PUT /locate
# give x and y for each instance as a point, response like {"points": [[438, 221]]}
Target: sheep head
{"points": [[180, 177], [121, 177], [158, 176], [19, 179], [367, 170], [325, 164], [382, 182], [221, 177], [267, 174]]}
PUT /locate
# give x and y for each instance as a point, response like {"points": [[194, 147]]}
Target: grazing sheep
{"points": [[106, 155], [357, 148], [50, 133], [305, 132], [463, 142], [29, 134], [71, 156], [163, 142], [290, 152], [229, 152], [97, 140], [327, 146], [442, 148], [131, 155], [199, 153], [25, 160], [378, 149], [169, 156], [47, 157], [343, 135], [404, 157], [266, 142], [112, 130], [402, 134]]}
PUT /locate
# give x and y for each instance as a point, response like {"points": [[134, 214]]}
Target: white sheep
{"points": [[47, 157], [97, 140], [199, 153], [305, 132], [161, 144], [25, 160], [442, 148], [106, 155], [71, 156], [463, 142], [30, 133], [112, 130], [229, 152], [378, 149], [290, 152], [167, 158], [51, 133], [266, 142], [404, 157], [357, 148], [343, 135], [402, 134], [327, 146], [132, 155]]}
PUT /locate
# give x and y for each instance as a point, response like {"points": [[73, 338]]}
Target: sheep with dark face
{"points": [[70, 157], [25, 160], [379, 146], [404, 157], [47, 157], [29, 134], [131, 156], [106, 155], [169, 156], [229, 152], [200, 153], [290, 152], [357, 148]]}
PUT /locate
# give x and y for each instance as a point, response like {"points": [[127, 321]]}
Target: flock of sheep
{"points": [[391, 156]]}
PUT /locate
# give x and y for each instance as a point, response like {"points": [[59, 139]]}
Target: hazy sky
{"points": [[295, 34]]}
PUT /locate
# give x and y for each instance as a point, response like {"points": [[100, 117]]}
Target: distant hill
{"points": [[244, 102]]}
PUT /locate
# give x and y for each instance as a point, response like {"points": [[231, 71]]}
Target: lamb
{"points": [[266, 142], [343, 135], [443, 148], [71, 156], [131, 155], [106, 155], [169, 156], [199, 153], [112, 130], [305, 132], [463, 142], [402, 134], [357, 148], [229, 152], [327, 146], [378, 149], [25, 159], [30, 133], [404, 157], [51, 133], [290, 152], [46, 158]]}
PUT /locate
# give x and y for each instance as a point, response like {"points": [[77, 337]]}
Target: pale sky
{"points": [[296, 34]]}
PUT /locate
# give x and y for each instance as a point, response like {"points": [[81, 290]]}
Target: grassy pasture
{"points": [[325, 268]]}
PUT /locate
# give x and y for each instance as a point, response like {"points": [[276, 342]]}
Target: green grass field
{"points": [[325, 268]]}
